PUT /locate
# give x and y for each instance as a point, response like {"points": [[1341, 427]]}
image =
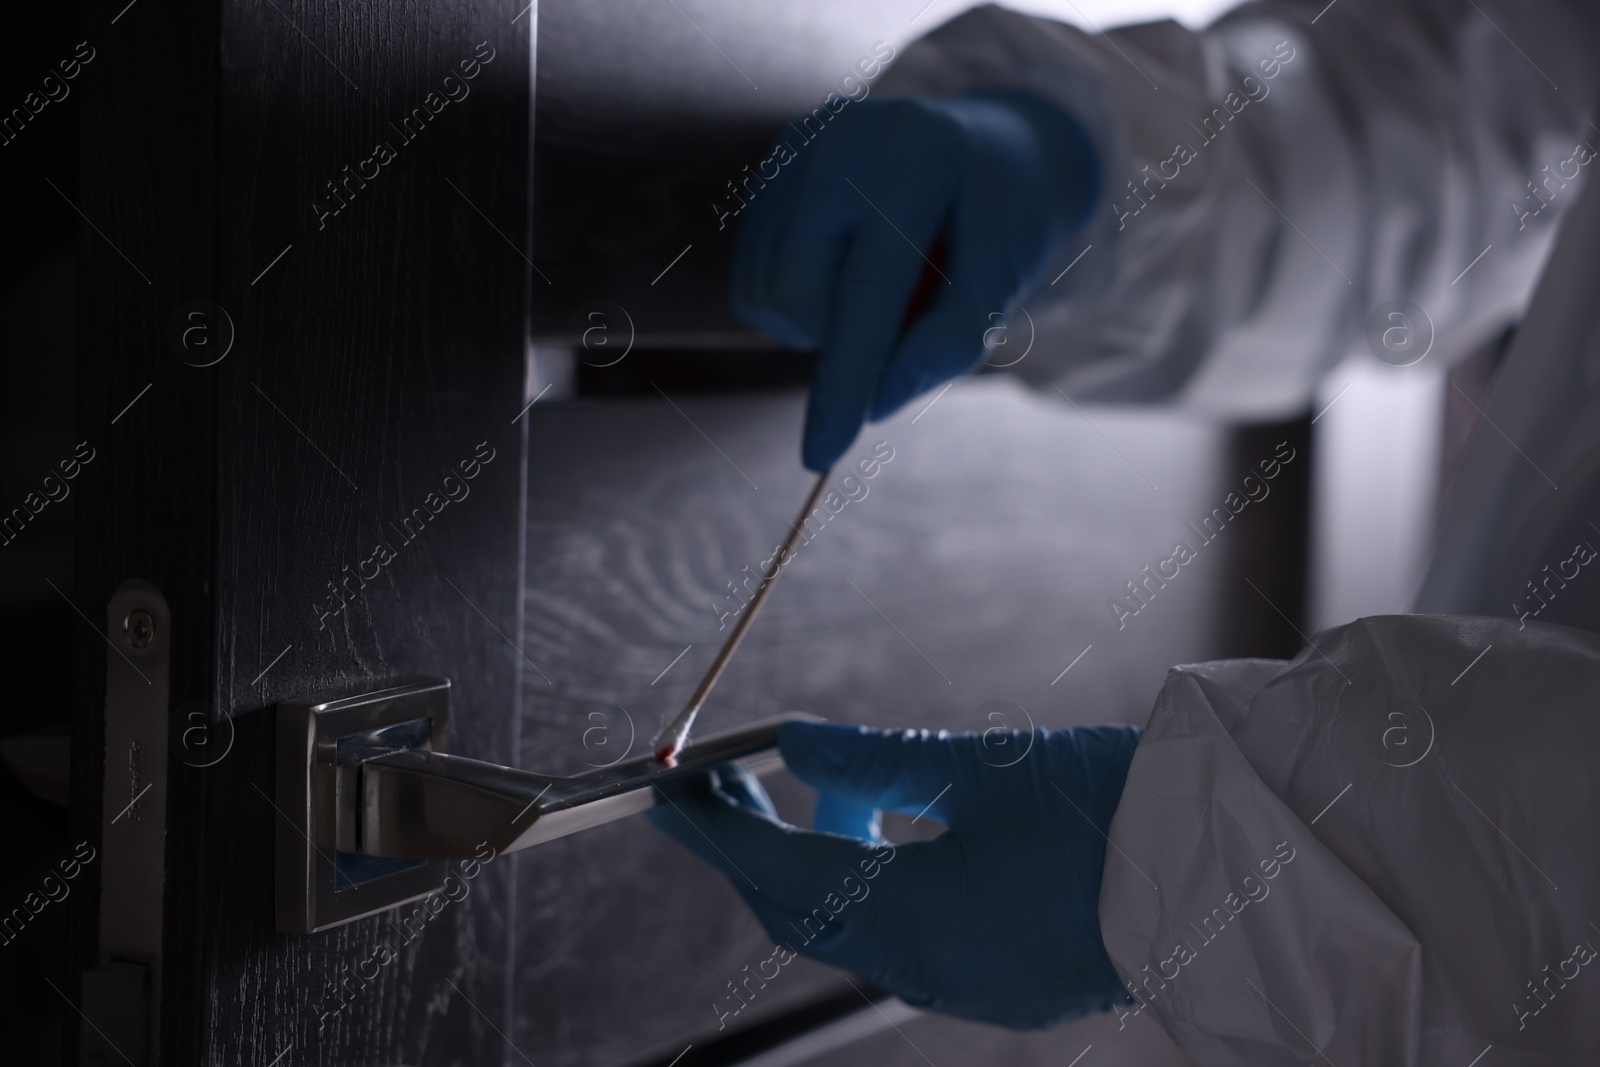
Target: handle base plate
{"points": [[320, 881]]}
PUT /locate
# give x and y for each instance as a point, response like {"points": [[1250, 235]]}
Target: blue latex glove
{"points": [[995, 920], [830, 251]]}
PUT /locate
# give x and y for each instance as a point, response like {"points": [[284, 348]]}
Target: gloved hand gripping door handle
{"points": [[371, 809]]}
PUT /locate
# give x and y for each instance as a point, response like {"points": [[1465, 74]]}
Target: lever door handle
{"points": [[418, 804], [371, 807]]}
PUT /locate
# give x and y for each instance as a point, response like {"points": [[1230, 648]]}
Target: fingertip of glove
{"points": [[893, 395], [824, 443], [812, 460]]}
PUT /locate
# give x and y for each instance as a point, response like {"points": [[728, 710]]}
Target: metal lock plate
{"points": [[321, 880]]}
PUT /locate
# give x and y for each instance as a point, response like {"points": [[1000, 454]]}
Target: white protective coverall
{"points": [[1383, 852]]}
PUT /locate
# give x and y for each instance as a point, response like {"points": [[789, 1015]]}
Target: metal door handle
{"points": [[431, 805], [372, 808]]}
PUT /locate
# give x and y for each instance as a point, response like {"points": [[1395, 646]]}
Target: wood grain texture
{"points": [[146, 502], [370, 361], [384, 350], [974, 570]]}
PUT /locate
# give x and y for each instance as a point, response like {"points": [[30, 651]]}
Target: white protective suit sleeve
{"points": [[1380, 853], [1270, 182]]}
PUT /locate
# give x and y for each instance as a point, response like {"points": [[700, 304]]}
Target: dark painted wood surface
{"points": [[976, 568], [146, 501], [382, 353], [382, 350]]}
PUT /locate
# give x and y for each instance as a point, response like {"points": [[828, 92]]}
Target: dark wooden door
{"points": [[319, 468]]}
